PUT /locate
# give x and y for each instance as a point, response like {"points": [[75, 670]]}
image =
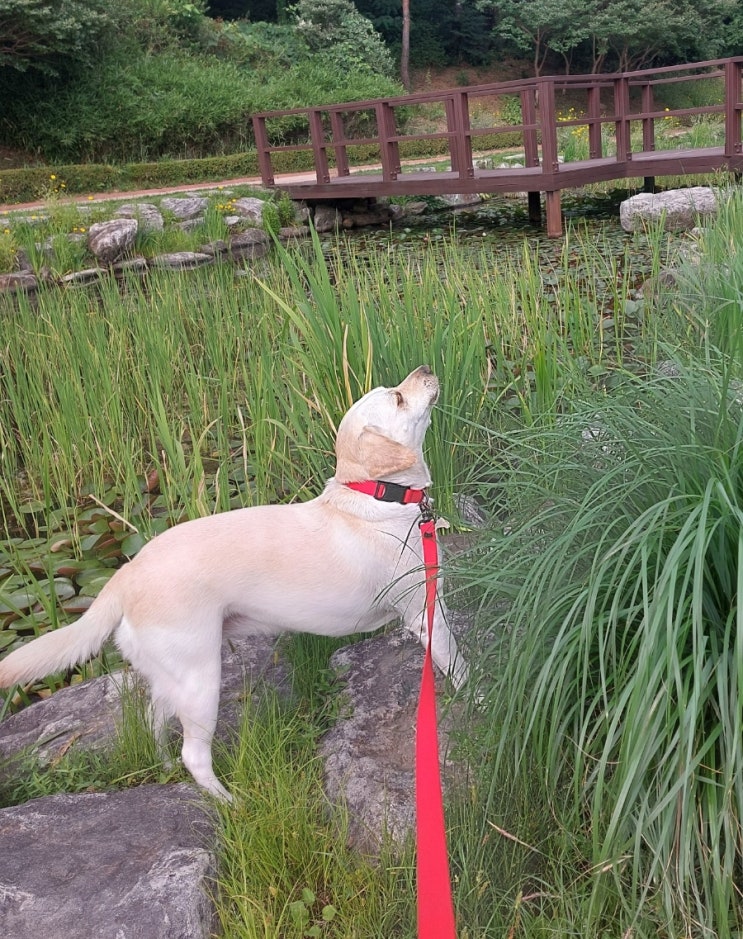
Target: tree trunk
{"points": [[405, 51]]}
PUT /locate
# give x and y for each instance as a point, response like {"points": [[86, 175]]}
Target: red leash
{"points": [[435, 907]]}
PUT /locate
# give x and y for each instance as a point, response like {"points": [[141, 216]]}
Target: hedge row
{"points": [[39, 182]]}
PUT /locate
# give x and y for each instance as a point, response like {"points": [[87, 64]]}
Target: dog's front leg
{"points": [[444, 650]]}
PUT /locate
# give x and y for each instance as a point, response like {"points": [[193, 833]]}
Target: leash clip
{"points": [[426, 508]]}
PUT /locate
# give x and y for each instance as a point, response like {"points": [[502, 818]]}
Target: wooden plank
{"points": [[341, 154], [732, 109], [388, 140], [317, 134]]}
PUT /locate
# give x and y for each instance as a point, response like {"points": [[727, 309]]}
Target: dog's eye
{"points": [[400, 399]]}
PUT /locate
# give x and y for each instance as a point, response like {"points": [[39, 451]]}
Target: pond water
{"points": [[501, 226]]}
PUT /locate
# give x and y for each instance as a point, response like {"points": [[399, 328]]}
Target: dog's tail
{"points": [[62, 648]]}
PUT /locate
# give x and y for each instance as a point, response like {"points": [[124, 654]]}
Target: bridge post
{"points": [[550, 162], [261, 145], [648, 122], [622, 124], [535, 207], [529, 127], [733, 146], [317, 136], [339, 137], [554, 213], [386, 131], [460, 146], [595, 143]]}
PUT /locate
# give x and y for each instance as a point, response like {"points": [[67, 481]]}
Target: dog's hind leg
{"points": [[198, 731], [184, 681], [196, 707], [160, 713]]}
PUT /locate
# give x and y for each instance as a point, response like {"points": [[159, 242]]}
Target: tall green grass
{"points": [[231, 388], [287, 869], [619, 664], [610, 590]]}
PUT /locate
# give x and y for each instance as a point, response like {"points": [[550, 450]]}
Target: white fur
{"points": [[338, 564]]}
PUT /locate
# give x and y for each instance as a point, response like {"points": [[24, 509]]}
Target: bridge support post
{"points": [[554, 214], [535, 208]]}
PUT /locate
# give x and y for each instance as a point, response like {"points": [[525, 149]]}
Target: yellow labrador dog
{"points": [[348, 561]]}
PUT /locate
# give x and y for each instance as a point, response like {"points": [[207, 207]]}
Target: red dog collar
{"points": [[389, 492]]}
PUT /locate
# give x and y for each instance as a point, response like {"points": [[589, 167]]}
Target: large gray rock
{"points": [[679, 209], [110, 241], [459, 200], [23, 281], [146, 213], [249, 208], [326, 218], [247, 245], [84, 716], [136, 864], [182, 260], [90, 275], [184, 207], [377, 214], [87, 716], [369, 754]]}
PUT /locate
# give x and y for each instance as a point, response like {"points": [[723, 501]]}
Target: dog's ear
{"points": [[381, 456]]}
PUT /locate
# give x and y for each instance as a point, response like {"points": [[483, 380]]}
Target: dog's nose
{"points": [[425, 370]]}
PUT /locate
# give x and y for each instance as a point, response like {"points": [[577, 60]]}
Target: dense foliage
{"points": [[82, 80], [47, 35], [583, 34], [159, 78]]}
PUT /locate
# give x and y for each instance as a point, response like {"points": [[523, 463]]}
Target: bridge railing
{"points": [[460, 122]]}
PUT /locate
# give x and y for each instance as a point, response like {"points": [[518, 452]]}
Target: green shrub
{"points": [[509, 111], [271, 221], [148, 107], [26, 185], [618, 583]]}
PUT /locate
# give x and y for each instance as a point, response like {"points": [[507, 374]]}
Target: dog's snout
{"points": [[425, 370]]}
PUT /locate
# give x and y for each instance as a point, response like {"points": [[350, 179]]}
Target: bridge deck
{"points": [[368, 184]]}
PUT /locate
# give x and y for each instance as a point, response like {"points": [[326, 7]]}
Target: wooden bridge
{"points": [[617, 130]]}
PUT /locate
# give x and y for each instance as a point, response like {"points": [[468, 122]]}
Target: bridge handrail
{"points": [[631, 101]]}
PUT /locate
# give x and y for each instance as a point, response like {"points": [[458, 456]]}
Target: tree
{"points": [[46, 34], [538, 27], [624, 34], [405, 51], [639, 33], [335, 28]]}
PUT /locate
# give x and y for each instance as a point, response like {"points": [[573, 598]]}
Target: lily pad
{"points": [[78, 605], [132, 544], [94, 574], [94, 586], [61, 586], [18, 602]]}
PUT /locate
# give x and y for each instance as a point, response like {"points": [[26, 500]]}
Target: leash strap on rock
{"points": [[435, 907]]}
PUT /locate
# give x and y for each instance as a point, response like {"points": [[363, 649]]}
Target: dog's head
{"points": [[381, 436]]}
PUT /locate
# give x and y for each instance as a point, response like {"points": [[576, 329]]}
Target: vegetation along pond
{"points": [[127, 407]]}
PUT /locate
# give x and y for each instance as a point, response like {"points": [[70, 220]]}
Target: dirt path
{"points": [[198, 187], [144, 193]]}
